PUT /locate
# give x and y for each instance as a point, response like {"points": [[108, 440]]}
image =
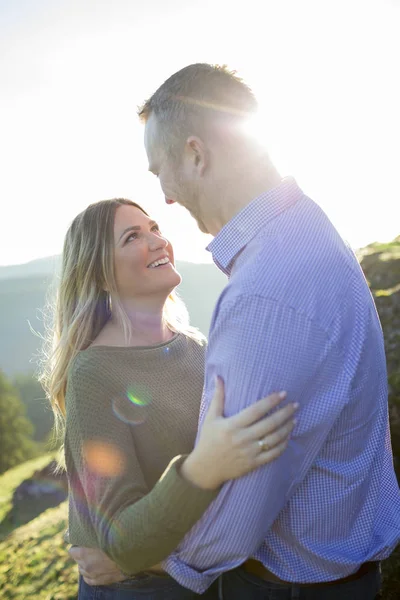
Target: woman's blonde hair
{"points": [[82, 305]]}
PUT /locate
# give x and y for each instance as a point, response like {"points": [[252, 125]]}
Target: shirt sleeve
{"points": [[135, 526], [260, 347]]}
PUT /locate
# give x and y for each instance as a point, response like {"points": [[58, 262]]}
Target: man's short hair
{"points": [[196, 97]]}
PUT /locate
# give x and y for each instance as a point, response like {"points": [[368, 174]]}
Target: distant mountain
{"points": [[23, 290], [35, 268]]}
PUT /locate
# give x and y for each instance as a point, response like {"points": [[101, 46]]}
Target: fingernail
{"points": [[282, 395], [296, 405]]}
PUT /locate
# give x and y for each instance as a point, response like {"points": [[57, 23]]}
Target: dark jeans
{"points": [[146, 587], [240, 585]]}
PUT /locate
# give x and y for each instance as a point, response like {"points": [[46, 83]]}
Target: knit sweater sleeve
{"points": [[135, 526]]}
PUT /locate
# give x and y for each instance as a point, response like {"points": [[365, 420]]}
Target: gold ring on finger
{"points": [[263, 445]]}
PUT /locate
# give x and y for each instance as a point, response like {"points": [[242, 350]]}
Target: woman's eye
{"points": [[156, 228], [131, 235]]}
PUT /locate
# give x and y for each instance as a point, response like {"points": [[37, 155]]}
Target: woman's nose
{"points": [[157, 241]]}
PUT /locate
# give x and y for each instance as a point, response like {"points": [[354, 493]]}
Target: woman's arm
{"points": [[134, 526]]}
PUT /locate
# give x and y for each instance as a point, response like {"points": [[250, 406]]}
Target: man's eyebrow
{"points": [[135, 228]]}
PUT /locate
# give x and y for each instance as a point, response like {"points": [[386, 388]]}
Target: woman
{"points": [[127, 372]]}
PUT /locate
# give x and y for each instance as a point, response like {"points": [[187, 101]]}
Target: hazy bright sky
{"points": [[73, 72]]}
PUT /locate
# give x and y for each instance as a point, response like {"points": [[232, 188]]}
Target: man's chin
{"points": [[200, 224], [202, 227]]}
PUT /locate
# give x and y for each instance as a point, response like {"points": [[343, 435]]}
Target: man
{"points": [[316, 522]]}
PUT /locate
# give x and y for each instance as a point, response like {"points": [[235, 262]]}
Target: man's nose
{"points": [[169, 201]]}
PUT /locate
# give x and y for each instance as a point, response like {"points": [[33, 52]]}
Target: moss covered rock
{"points": [[381, 266]]}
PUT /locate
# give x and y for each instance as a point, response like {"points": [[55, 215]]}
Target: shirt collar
{"points": [[244, 226]]}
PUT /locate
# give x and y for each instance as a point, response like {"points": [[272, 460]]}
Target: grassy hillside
{"points": [[33, 559], [34, 562]]}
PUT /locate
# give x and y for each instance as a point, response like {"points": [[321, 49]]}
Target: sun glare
{"points": [[256, 127], [320, 119]]}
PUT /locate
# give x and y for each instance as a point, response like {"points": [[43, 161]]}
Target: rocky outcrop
{"points": [[44, 489], [381, 265]]}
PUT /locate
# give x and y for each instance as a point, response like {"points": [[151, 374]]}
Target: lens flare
{"points": [[85, 499], [256, 127], [103, 459], [133, 407], [136, 401]]}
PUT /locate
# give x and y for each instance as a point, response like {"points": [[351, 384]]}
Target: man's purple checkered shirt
{"points": [[297, 315]]}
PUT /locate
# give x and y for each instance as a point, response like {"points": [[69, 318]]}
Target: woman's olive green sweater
{"points": [[132, 413]]}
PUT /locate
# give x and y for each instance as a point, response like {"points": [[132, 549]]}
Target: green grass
{"points": [[387, 292], [34, 562], [392, 248]]}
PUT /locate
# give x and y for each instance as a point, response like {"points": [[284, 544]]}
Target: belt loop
{"points": [[220, 590], [295, 593]]}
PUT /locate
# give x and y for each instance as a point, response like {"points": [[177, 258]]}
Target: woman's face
{"points": [[138, 248]]}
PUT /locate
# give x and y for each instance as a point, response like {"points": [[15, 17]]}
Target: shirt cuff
{"points": [[187, 576]]}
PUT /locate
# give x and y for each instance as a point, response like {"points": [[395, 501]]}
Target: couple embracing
{"points": [[257, 465]]}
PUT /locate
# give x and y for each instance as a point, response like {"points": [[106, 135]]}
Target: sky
{"points": [[72, 74]]}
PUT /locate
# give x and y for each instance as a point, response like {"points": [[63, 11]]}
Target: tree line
{"points": [[26, 420]]}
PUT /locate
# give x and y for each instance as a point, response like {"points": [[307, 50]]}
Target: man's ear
{"points": [[198, 153]]}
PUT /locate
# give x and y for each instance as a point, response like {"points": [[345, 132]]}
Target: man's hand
{"points": [[95, 566]]}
